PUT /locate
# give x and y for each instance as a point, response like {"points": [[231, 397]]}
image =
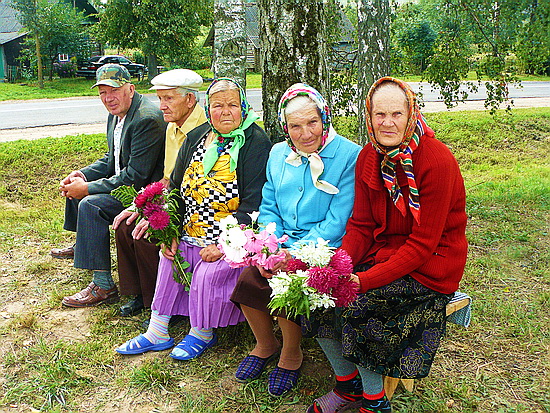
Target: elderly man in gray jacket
{"points": [[135, 137]]}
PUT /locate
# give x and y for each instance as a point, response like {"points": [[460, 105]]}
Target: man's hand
{"points": [[165, 182], [129, 216], [141, 229], [77, 188], [68, 179], [210, 253]]}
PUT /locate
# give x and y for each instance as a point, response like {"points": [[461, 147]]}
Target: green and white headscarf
{"points": [[221, 140]]}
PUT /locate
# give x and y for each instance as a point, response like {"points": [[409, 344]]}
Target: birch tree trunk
{"points": [[294, 49], [230, 40], [373, 51]]}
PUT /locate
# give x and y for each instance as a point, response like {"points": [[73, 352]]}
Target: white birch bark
{"points": [[294, 49], [373, 51], [230, 40]]}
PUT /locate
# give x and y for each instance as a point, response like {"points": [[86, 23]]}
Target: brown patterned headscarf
{"points": [[416, 128]]}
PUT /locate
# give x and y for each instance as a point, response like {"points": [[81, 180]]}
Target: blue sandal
{"points": [[193, 346], [140, 345]]}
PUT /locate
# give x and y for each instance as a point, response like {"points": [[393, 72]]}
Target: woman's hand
{"points": [[170, 252], [355, 279], [280, 266], [210, 253]]}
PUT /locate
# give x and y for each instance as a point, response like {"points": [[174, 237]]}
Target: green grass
{"points": [[63, 360], [64, 88]]}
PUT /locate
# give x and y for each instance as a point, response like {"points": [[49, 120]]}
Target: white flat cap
{"points": [[177, 78]]}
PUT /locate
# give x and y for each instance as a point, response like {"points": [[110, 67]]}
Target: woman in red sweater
{"points": [[407, 240]]}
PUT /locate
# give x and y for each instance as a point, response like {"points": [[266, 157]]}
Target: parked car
{"points": [[88, 68]]}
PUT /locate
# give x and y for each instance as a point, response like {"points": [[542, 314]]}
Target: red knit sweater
{"points": [[434, 252]]}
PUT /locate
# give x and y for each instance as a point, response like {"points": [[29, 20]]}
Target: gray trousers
{"points": [[90, 218]]}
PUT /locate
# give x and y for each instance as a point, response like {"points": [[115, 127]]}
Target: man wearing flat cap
{"points": [[135, 138], [137, 257]]}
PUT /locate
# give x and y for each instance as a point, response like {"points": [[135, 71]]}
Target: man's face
{"points": [[175, 106], [117, 100]]}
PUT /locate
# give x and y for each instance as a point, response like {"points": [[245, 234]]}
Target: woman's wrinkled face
{"points": [[305, 128], [225, 110], [389, 116]]}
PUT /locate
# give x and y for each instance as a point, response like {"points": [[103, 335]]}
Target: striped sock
{"points": [[203, 334], [349, 387], [158, 328], [375, 403]]}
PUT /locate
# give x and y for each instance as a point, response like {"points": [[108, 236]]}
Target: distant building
{"points": [[344, 48], [12, 34], [11, 37]]}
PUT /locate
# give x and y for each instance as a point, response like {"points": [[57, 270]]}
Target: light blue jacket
{"points": [[302, 211]]}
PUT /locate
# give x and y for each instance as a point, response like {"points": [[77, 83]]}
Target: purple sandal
{"points": [[282, 380], [252, 366], [332, 403]]}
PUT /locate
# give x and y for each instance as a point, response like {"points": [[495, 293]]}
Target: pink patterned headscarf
{"points": [[295, 157]]}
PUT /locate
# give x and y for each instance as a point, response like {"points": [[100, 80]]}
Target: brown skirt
{"points": [[254, 291]]}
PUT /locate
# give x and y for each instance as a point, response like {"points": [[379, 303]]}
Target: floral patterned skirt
{"points": [[393, 330]]}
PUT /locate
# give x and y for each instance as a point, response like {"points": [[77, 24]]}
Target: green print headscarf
{"points": [[248, 117]]}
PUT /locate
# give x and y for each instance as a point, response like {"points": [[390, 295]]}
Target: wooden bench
{"points": [[390, 383]]}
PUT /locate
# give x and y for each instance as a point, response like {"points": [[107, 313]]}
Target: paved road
{"points": [[60, 117], [50, 112]]}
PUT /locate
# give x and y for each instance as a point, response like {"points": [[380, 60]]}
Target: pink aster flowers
{"points": [[160, 207], [246, 245], [317, 277]]}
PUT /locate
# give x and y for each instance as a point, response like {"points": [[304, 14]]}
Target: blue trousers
{"points": [[90, 218]]}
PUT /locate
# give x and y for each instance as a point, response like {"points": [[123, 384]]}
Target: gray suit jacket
{"points": [[141, 150]]}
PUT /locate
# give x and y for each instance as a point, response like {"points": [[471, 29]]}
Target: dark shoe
{"points": [[376, 406], [174, 321], [282, 380], [91, 296], [63, 252], [252, 366], [132, 307]]}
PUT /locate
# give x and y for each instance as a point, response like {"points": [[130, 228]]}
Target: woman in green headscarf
{"points": [[220, 171]]}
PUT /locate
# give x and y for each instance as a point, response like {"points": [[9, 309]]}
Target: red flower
{"points": [[159, 220], [323, 279], [294, 264], [140, 200], [341, 262], [151, 208], [345, 292], [153, 190]]}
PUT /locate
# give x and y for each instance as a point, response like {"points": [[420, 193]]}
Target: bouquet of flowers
{"points": [[318, 277], [246, 245], [160, 208]]}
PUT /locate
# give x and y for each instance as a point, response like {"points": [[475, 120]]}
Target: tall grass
{"points": [[63, 360]]}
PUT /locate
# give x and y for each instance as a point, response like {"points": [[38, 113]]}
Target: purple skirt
{"points": [[207, 302]]}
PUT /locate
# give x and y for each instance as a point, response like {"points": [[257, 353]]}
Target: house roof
{"points": [[252, 23], [8, 18], [10, 28]]}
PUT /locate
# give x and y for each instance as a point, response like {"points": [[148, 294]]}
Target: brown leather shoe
{"points": [[91, 296], [62, 252]]}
